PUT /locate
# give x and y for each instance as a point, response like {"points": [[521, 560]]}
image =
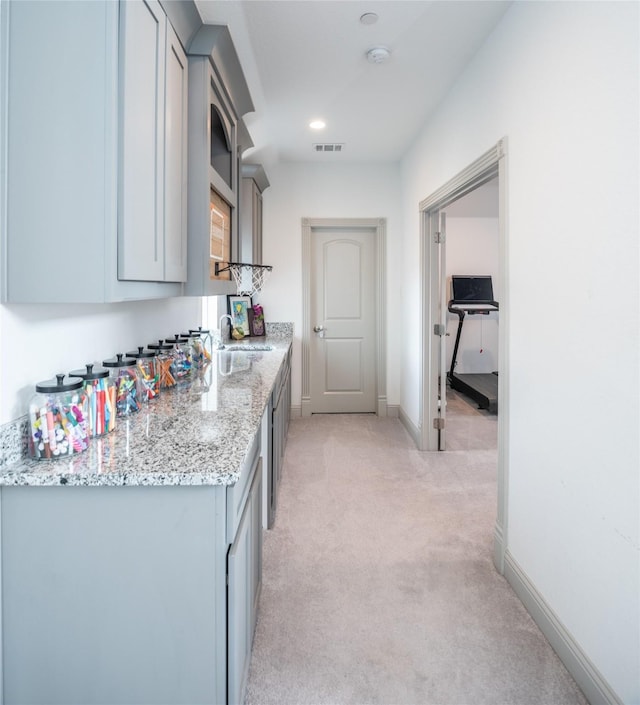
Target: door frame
{"points": [[379, 227], [491, 164]]}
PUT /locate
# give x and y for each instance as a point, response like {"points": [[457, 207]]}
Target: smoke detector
{"points": [[378, 55]]}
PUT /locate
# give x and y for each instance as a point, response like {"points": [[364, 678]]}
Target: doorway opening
{"points": [[487, 339]]}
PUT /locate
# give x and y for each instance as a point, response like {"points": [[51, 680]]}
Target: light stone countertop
{"points": [[197, 435]]}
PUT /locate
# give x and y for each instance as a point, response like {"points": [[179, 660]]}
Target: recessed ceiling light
{"points": [[369, 18], [317, 124]]}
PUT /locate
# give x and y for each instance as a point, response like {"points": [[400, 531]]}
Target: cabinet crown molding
{"points": [[244, 138], [257, 173], [214, 41]]}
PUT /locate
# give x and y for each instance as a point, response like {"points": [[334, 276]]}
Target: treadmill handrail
{"points": [[456, 306]]}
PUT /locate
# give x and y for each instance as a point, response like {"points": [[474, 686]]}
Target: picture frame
{"points": [[239, 307], [256, 321]]}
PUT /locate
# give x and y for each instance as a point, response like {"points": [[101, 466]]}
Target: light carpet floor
{"points": [[378, 581]]}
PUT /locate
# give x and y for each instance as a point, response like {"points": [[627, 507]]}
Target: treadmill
{"points": [[473, 296]]}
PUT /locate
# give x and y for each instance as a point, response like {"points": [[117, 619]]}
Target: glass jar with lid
{"points": [[148, 372], [195, 343], [100, 390], [182, 356], [166, 364], [207, 342], [58, 419], [127, 380]]}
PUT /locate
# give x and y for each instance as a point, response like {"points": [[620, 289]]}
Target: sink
{"points": [[246, 347]]}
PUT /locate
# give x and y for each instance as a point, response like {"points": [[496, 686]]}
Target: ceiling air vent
{"points": [[328, 147]]}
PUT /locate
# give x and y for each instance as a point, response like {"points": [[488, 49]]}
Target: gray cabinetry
{"points": [[113, 595], [175, 160], [218, 98], [85, 178], [119, 595], [152, 215], [254, 182], [280, 415], [244, 570]]}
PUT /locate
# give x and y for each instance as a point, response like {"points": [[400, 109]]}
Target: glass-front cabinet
{"points": [[216, 108]]}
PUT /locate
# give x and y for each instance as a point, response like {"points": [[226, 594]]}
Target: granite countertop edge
{"points": [[186, 437]]}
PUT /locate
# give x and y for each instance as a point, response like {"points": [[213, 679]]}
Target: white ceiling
{"points": [[305, 59]]}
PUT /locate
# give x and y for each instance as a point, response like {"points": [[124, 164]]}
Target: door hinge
{"points": [[439, 238], [438, 423], [439, 329]]}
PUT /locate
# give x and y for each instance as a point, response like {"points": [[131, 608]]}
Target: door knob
{"points": [[317, 329]]}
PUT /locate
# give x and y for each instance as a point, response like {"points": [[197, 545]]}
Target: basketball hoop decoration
{"points": [[249, 278]]}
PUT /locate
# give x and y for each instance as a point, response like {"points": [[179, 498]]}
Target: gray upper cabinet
{"points": [[153, 92], [175, 160], [152, 217], [218, 98], [95, 152], [254, 182]]}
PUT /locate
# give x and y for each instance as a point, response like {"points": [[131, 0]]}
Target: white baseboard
{"points": [[393, 411], [412, 429], [498, 548], [296, 412], [586, 675]]}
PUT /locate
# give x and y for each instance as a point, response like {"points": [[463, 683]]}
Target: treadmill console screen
{"points": [[477, 289]]}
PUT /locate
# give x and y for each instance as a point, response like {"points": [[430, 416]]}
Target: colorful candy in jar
{"points": [[148, 372], [100, 390], [182, 356], [197, 348], [207, 342], [125, 375], [58, 419], [166, 364]]}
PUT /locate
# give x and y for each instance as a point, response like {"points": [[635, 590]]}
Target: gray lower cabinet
{"points": [[119, 594], [280, 406], [244, 570]]}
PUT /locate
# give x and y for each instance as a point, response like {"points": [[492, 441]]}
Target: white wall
{"points": [[472, 248], [36, 342], [560, 81], [327, 191]]}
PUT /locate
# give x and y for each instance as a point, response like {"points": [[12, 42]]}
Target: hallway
{"points": [[378, 583]]}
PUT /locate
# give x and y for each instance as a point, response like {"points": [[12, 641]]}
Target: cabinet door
{"points": [[175, 161], [257, 226], [256, 550], [239, 610], [250, 241], [142, 75], [245, 579]]}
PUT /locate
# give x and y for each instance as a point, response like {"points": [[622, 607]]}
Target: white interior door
{"points": [[436, 299], [443, 300], [342, 342]]}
